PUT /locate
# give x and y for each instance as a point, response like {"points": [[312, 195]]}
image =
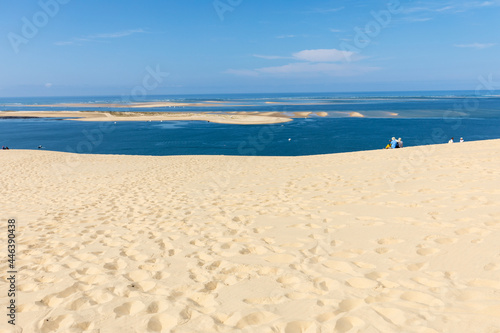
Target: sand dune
{"points": [[403, 240]]}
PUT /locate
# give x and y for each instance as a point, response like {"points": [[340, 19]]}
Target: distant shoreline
{"points": [[222, 118], [231, 117]]}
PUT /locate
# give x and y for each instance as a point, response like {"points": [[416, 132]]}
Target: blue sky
{"points": [[76, 47]]}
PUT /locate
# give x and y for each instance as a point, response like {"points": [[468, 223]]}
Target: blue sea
{"points": [[425, 117]]}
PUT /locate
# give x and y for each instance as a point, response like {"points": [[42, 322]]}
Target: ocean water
{"points": [[424, 118]]}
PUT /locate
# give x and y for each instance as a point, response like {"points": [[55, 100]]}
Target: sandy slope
{"points": [[404, 240]]}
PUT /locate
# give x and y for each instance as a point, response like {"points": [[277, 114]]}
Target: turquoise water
{"points": [[424, 118]]}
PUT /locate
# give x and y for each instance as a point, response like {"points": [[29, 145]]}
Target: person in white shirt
{"points": [[461, 139], [451, 140], [400, 143]]}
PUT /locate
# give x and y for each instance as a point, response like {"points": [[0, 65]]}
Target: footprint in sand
{"points": [[492, 267], [392, 315], [326, 284], [472, 230], [301, 327], [346, 324], [422, 298], [427, 251], [340, 266], [350, 304], [389, 241], [493, 284], [256, 318], [161, 323], [361, 283], [477, 241], [417, 266], [364, 265], [136, 276], [427, 282], [446, 241], [81, 303], [382, 250], [326, 316], [28, 287], [58, 323], [129, 308], [281, 258]]}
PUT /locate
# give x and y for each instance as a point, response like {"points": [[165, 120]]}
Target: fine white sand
{"points": [[222, 118], [403, 240]]}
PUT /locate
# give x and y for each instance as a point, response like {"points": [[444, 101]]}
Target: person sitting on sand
{"points": [[400, 143], [461, 139], [394, 143], [388, 145], [451, 140]]}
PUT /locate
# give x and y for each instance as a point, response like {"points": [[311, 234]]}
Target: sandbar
{"points": [[222, 118]]}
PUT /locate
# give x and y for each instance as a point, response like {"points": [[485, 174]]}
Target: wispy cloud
{"points": [[325, 10], [450, 7], [317, 68], [64, 43], [317, 55], [417, 19], [335, 30], [331, 62], [323, 55], [423, 11], [270, 57], [476, 45], [242, 72], [116, 34], [286, 36], [100, 37]]}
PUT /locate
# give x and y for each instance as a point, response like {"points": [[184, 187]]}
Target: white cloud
{"points": [[450, 7], [476, 45], [101, 37], [64, 43], [323, 55], [242, 72], [330, 62], [417, 19], [270, 57], [48, 85], [286, 36], [118, 34], [335, 30], [326, 10], [317, 68]]}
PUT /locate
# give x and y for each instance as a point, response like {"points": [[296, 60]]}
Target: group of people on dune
{"points": [[452, 140], [393, 143]]}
